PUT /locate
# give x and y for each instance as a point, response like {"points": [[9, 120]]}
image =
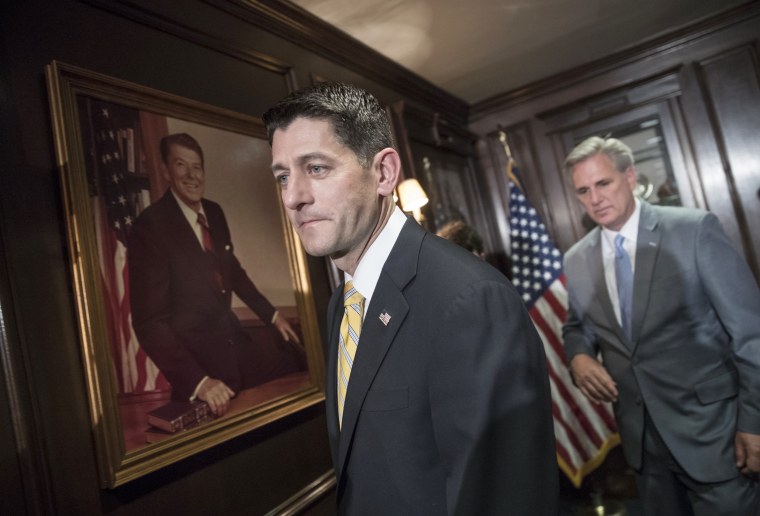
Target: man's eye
{"points": [[316, 169], [282, 179]]}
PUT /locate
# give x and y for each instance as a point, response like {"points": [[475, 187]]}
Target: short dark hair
{"points": [[183, 139], [357, 118], [463, 235]]}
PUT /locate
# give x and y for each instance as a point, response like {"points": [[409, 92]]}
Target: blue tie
{"points": [[624, 278]]}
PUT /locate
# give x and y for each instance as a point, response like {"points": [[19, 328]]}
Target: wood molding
{"points": [[139, 14], [291, 22], [306, 497], [655, 46], [29, 444]]}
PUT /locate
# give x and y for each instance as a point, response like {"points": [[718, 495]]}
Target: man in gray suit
{"points": [[675, 312], [438, 402]]}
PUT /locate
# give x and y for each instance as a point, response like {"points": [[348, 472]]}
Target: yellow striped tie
{"points": [[350, 329]]}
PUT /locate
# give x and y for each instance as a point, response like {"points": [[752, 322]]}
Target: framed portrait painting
{"points": [[171, 304]]}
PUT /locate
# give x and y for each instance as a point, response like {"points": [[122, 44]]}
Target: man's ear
{"points": [[388, 164], [165, 172], [630, 176]]}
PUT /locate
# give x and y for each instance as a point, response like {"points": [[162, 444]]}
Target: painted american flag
{"points": [[584, 432], [116, 210]]}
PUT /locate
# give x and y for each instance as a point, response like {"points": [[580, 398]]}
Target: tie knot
{"points": [[351, 296], [619, 240], [202, 220]]}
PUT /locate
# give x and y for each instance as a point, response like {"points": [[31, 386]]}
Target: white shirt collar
{"points": [[368, 270], [191, 215], [630, 230]]}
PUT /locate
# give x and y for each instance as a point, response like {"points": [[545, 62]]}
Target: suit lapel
{"points": [[334, 316], [377, 336], [647, 248]]}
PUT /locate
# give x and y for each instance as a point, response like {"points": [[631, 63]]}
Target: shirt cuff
{"points": [[274, 317], [197, 388]]}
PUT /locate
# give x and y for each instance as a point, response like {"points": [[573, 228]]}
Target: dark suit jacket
{"points": [[448, 407], [694, 356], [181, 317]]}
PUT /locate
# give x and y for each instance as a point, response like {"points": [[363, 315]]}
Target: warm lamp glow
{"points": [[411, 195]]}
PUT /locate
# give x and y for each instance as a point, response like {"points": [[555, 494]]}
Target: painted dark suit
{"points": [[180, 312], [693, 360], [448, 409]]}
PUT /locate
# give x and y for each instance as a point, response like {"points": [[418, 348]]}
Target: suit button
{"points": [[638, 400], [224, 291]]}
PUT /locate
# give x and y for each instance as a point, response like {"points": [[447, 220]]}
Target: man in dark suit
{"points": [[675, 312], [182, 273], [439, 402]]}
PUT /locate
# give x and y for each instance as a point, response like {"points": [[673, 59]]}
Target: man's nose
{"points": [[594, 196], [297, 193]]}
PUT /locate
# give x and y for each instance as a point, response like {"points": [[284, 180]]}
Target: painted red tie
{"points": [[208, 245]]}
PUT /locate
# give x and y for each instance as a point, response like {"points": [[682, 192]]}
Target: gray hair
{"points": [[357, 118], [618, 152]]}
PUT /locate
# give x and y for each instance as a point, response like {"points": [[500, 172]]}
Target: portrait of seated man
{"points": [[182, 274]]}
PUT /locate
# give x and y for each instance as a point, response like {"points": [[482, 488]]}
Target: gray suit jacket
{"points": [[693, 360], [448, 409]]}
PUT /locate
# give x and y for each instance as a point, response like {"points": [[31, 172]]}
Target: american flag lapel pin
{"points": [[385, 318]]}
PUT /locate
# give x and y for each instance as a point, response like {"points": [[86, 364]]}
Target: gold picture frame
{"points": [[123, 385]]}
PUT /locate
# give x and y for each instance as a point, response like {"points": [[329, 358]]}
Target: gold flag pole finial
{"points": [[503, 140], [510, 162]]}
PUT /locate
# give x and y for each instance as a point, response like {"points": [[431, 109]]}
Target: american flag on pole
{"points": [[115, 209], [584, 432]]}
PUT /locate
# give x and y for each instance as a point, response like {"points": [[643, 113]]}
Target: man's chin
{"points": [[314, 248]]}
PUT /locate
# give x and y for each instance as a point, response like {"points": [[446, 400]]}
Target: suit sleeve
{"points": [[150, 299], [734, 295], [491, 405], [576, 336]]}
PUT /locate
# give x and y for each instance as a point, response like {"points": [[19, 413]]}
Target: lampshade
{"points": [[411, 195]]}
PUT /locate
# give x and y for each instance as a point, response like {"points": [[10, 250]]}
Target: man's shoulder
{"points": [[156, 211], [677, 212], [674, 217], [209, 205], [584, 244], [447, 260]]}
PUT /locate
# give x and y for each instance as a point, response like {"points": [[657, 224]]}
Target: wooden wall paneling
{"points": [[267, 80], [711, 164], [24, 488], [665, 51], [495, 196], [732, 92]]}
